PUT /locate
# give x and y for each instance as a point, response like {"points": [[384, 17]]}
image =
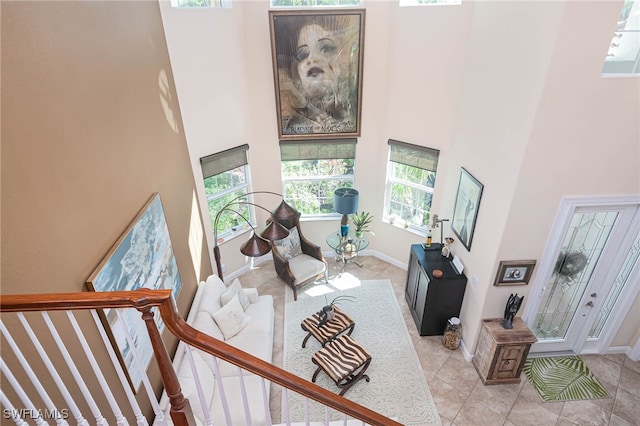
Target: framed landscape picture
{"points": [[141, 258], [465, 211], [317, 68]]}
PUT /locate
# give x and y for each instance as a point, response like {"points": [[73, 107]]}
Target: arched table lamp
{"points": [[345, 201]]}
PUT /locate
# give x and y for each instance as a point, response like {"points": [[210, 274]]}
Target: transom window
{"points": [[201, 3], [428, 2], [226, 176], [623, 56], [312, 170], [411, 177], [314, 3]]}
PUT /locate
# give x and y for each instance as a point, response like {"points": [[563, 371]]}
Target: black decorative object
{"points": [[327, 313], [510, 310]]}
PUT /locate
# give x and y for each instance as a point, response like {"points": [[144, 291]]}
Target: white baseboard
{"points": [[468, 356]]}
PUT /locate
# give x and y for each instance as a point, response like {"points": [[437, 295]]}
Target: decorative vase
{"points": [[325, 315], [359, 234]]}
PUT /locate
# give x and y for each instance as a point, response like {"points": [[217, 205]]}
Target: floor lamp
{"points": [[257, 245]]}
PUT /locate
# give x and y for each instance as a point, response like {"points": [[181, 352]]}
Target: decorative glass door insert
{"points": [[562, 297]]}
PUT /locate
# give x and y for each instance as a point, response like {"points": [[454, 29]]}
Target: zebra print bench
{"points": [[344, 361], [325, 333]]}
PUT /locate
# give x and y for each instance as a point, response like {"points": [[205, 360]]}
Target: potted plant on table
{"points": [[327, 313], [362, 221]]}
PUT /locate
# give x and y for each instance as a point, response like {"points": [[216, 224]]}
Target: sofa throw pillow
{"points": [[235, 288], [289, 247], [231, 318]]}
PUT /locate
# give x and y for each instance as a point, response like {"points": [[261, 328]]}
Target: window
{"points": [[428, 2], [201, 3], [623, 56], [314, 3], [411, 176], [226, 177], [312, 170]]}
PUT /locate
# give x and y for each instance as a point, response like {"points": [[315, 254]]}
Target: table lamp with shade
{"points": [[345, 201]]}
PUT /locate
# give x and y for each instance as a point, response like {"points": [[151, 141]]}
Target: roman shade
{"points": [[317, 149], [413, 155], [223, 161]]}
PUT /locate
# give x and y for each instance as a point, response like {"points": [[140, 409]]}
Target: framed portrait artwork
{"points": [[514, 272], [141, 258], [465, 211], [317, 69]]}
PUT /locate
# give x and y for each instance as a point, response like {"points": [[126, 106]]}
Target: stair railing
{"points": [[144, 300]]}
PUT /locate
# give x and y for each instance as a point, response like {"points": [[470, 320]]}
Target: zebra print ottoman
{"points": [[344, 361]]}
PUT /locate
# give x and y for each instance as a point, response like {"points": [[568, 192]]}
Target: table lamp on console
{"points": [[345, 201]]}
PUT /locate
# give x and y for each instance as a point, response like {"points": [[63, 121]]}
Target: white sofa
{"points": [[214, 311]]}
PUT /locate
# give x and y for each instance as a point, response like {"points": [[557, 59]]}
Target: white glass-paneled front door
{"points": [[588, 279]]}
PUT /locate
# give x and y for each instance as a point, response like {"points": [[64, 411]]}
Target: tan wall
{"points": [[91, 128]]}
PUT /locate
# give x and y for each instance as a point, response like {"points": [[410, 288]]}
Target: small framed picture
{"points": [[514, 272]]}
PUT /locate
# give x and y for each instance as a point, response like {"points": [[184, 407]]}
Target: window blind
{"points": [[317, 149], [414, 155], [223, 161]]}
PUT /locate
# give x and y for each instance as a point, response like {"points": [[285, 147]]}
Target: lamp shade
{"points": [[255, 246], [345, 200], [284, 212], [274, 231]]}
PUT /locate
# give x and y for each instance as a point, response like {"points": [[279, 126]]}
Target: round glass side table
{"points": [[347, 248]]}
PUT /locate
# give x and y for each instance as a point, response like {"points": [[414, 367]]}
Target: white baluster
{"points": [[136, 357], [76, 375], [19, 391], [11, 410], [27, 368], [326, 415], [285, 405], [306, 411], [265, 402], [223, 396], [106, 390], [140, 419], [243, 392], [203, 403]]}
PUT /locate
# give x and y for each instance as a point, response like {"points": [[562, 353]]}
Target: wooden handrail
{"points": [[143, 300]]}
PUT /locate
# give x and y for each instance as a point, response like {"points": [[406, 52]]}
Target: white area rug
{"points": [[397, 388]]}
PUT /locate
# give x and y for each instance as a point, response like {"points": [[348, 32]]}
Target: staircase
{"points": [[58, 365]]}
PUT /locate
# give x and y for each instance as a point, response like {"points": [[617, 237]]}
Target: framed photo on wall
{"points": [[141, 258], [317, 67], [465, 211], [514, 272]]}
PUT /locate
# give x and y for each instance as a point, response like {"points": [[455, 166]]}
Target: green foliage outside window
{"points": [[220, 190], [195, 3], [411, 194], [309, 184]]}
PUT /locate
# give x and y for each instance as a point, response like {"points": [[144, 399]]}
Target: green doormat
{"points": [[563, 378]]}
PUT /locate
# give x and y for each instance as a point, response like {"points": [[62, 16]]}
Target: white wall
{"points": [[509, 90]]}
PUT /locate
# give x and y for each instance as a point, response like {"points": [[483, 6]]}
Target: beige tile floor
{"points": [[460, 396]]}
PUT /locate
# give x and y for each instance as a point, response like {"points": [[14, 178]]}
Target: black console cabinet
{"points": [[433, 301]]}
